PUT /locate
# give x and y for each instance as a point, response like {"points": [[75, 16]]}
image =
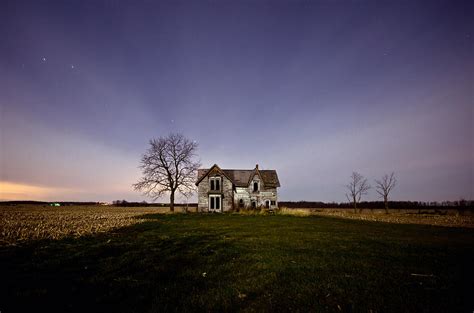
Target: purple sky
{"points": [[313, 89]]}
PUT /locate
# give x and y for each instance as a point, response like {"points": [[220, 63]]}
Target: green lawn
{"points": [[244, 263]]}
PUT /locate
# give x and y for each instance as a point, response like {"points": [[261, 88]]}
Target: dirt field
{"points": [[25, 222]]}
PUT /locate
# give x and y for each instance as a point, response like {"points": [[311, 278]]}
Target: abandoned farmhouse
{"points": [[221, 190]]}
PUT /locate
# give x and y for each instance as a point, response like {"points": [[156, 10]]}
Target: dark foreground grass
{"points": [[244, 263]]}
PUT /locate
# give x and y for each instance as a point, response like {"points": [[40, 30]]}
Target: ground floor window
{"points": [[241, 203], [267, 204], [215, 203], [273, 202], [254, 204]]}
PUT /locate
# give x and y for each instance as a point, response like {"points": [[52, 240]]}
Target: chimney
{"points": [[256, 166]]}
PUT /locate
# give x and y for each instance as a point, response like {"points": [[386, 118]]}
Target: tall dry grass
{"points": [[294, 212]]}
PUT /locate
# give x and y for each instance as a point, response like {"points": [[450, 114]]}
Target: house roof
{"points": [[241, 178]]}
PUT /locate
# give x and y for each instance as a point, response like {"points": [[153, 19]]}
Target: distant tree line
{"points": [[125, 203], [62, 203], [121, 203], [409, 205]]}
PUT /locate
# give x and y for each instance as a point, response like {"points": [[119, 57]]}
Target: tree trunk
{"points": [[385, 200], [355, 205], [172, 201]]}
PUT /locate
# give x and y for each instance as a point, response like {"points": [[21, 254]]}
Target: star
{"points": [[43, 59], [72, 66]]}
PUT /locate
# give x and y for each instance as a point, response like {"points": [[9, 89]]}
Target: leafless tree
{"points": [[357, 187], [168, 166], [385, 186]]}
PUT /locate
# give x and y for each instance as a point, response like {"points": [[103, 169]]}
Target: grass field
{"points": [[199, 262]]}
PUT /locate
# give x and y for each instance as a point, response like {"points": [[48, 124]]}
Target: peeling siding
{"points": [[203, 195]]}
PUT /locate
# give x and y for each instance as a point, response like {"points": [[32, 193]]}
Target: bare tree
{"points": [[168, 166], [385, 186], [357, 187]]}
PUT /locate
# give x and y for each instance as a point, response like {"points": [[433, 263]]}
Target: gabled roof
{"points": [[242, 178]]}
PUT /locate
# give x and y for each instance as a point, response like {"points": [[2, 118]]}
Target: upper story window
{"points": [[215, 183], [255, 186]]}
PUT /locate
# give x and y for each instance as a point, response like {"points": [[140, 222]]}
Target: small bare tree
{"points": [[168, 166], [357, 187], [385, 186]]}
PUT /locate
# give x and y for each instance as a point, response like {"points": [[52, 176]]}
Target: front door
{"points": [[215, 203]]}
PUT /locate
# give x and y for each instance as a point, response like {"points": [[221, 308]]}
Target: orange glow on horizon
{"points": [[17, 191]]}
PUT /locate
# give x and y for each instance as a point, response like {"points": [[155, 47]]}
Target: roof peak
{"points": [[235, 169], [241, 177]]}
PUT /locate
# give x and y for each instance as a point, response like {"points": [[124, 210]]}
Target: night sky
{"points": [[312, 89]]}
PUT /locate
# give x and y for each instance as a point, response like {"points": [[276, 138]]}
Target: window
{"points": [[215, 203], [267, 204], [255, 186], [254, 205], [241, 203], [215, 183], [273, 202]]}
